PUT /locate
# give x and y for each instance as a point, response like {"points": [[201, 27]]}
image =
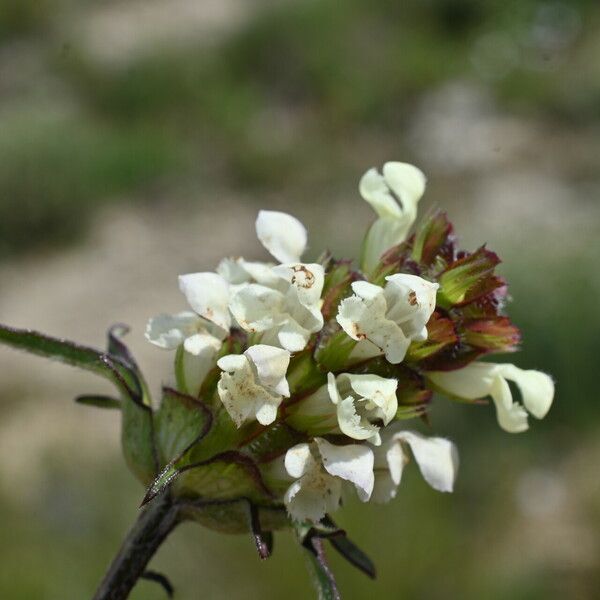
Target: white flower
{"points": [[239, 272], [436, 457], [253, 384], [282, 235], [201, 341], [399, 181], [482, 379], [201, 333], [287, 312], [208, 295], [391, 317], [320, 469], [362, 400]]}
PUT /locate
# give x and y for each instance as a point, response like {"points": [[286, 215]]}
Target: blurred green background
{"points": [[138, 139]]}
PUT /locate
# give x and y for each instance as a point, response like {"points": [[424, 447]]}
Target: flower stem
{"points": [[150, 530]]}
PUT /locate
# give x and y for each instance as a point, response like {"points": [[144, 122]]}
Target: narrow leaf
{"points": [[353, 554], [99, 401], [162, 580], [73, 354]]}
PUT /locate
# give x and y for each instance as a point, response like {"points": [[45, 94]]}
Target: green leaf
{"points": [[137, 440], [353, 554], [137, 431], [99, 401], [73, 354], [181, 421]]}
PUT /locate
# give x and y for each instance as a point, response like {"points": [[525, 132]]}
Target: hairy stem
{"points": [[154, 524]]}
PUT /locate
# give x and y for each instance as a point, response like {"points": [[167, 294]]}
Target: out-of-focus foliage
{"points": [[303, 66]]}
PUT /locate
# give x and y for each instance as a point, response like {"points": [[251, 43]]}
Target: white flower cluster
{"points": [[278, 305]]}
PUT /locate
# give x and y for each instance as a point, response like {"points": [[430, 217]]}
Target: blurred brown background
{"points": [[137, 141]]}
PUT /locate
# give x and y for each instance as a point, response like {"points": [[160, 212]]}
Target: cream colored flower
{"points": [[362, 401], [398, 182], [286, 313], [253, 384], [488, 379], [389, 318], [320, 470], [437, 459]]}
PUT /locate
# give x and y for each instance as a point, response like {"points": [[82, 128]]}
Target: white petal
{"points": [[266, 413], [379, 390], [257, 308], [299, 460], [353, 425], [271, 365], [512, 417], [261, 272], [311, 498], [472, 382], [169, 331], [242, 396], [384, 233], [353, 463], [332, 389], [208, 295], [200, 343], [282, 235], [374, 190], [407, 182], [232, 270], [307, 279], [232, 362], [363, 351], [411, 301], [366, 290], [390, 460], [537, 388], [196, 368], [437, 458], [478, 380], [293, 337]]}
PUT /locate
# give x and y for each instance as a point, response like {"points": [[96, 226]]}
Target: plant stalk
{"points": [[150, 530]]}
